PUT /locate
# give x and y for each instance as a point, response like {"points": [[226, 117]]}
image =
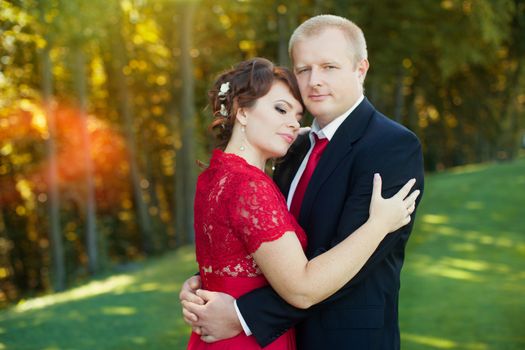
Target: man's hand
{"points": [[187, 294], [304, 130], [216, 319]]}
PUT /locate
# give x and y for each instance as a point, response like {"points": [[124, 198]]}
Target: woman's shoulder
{"points": [[233, 164], [235, 175]]}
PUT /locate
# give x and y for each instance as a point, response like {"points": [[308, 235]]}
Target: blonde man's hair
{"points": [[315, 25]]}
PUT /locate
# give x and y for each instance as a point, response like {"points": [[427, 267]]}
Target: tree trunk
{"points": [[400, 100], [186, 154], [126, 110], [181, 234], [282, 13], [158, 232], [90, 205], [55, 236], [510, 137]]}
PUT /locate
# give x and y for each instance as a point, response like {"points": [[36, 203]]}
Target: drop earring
{"points": [[243, 130]]}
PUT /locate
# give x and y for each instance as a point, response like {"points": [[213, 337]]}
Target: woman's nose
{"points": [[294, 124]]}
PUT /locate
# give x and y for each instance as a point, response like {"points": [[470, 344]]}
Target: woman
{"points": [[245, 236]]}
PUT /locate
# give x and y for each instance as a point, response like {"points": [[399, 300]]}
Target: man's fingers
{"points": [[217, 318], [189, 317], [403, 192], [192, 308], [190, 296], [208, 338], [206, 335], [189, 322], [197, 330], [187, 291], [194, 282], [193, 298], [205, 295]]}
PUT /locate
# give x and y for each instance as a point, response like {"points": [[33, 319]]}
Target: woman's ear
{"points": [[241, 116]]}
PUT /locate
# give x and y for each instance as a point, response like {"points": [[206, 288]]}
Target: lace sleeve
{"points": [[259, 213]]}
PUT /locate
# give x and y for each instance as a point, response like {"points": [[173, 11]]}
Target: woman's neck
{"points": [[250, 155]]}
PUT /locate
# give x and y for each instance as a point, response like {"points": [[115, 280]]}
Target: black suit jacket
{"points": [[364, 313]]}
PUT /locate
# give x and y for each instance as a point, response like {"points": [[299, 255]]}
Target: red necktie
{"points": [[297, 200]]}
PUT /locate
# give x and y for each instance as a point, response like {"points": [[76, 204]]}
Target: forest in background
{"points": [[103, 111]]}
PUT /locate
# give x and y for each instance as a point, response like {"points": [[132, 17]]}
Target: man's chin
{"points": [[317, 110]]}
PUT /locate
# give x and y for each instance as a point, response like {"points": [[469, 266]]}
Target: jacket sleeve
{"points": [[266, 313]]}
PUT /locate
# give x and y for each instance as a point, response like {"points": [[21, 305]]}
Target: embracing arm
{"points": [[306, 282], [268, 315]]}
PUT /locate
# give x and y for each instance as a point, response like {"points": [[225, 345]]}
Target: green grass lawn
{"points": [[463, 284], [137, 310]]}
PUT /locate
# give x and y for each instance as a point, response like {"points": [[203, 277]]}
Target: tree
{"points": [[57, 246], [185, 166], [116, 67]]}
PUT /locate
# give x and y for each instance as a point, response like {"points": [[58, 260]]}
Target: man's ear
{"points": [[362, 68], [241, 116]]}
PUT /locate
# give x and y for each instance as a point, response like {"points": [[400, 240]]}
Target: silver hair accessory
{"points": [[223, 111], [225, 87]]}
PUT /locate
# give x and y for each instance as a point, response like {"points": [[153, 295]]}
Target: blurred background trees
{"points": [[103, 110]]}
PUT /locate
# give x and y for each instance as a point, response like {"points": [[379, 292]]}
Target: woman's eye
{"points": [[280, 110]]}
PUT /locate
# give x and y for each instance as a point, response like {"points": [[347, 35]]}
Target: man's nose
{"points": [[315, 77]]}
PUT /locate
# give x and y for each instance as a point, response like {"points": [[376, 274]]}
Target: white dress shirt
{"points": [[327, 132]]}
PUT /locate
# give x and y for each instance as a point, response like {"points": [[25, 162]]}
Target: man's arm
{"points": [[296, 283], [268, 315]]}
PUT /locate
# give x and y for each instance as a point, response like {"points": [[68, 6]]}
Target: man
{"points": [[330, 62]]}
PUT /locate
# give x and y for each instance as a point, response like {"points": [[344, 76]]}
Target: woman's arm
{"points": [[303, 283]]}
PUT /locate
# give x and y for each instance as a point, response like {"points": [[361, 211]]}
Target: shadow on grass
{"points": [[128, 311], [464, 278]]}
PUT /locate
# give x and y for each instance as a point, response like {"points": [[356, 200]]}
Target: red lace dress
{"points": [[237, 208]]}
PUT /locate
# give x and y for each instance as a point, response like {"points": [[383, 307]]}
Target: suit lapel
{"points": [[339, 146]]}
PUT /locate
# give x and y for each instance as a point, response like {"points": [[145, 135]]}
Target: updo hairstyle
{"points": [[241, 87]]}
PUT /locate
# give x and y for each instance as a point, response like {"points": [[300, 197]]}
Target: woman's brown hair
{"points": [[245, 84]]}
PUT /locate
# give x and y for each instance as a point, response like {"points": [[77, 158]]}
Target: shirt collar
{"points": [[329, 130]]}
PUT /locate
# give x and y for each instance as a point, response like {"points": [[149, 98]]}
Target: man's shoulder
{"points": [[384, 127]]}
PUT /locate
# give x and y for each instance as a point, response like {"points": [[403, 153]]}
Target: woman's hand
{"points": [[394, 212]]}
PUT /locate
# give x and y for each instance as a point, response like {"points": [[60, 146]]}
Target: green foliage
{"points": [[450, 70]]}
